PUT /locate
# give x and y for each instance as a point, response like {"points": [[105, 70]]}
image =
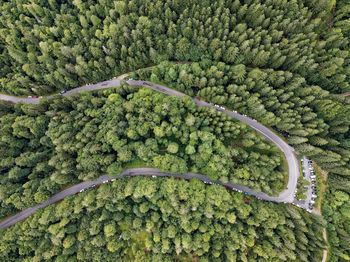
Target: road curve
{"points": [[285, 196]]}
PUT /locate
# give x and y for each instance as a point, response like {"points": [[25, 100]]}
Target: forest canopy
{"points": [[47, 46], [65, 140], [281, 62], [163, 219]]}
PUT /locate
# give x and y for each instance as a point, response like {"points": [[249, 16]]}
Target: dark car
{"points": [[313, 199]]}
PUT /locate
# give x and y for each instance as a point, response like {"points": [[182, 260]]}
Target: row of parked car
{"points": [[312, 180], [93, 185], [60, 93]]}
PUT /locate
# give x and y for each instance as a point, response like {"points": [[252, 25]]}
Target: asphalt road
{"points": [[285, 196], [126, 173]]}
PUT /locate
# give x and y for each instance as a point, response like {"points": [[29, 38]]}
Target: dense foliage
{"points": [[163, 219], [69, 139], [279, 61], [46, 45], [318, 123], [336, 210]]}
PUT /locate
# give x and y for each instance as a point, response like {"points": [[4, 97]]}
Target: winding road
{"points": [[286, 196]]}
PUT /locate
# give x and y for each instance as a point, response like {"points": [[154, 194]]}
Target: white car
{"points": [[113, 179], [82, 190], [30, 97], [105, 181], [154, 176]]}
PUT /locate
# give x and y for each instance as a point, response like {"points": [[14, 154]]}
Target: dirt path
{"points": [[346, 94], [325, 252], [127, 74], [318, 211]]}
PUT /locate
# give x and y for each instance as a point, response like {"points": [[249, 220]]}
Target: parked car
{"points": [[29, 96], [313, 176], [62, 92], [35, 96], [313, 198], [310, 162], [313, 187], [313, 182]]}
